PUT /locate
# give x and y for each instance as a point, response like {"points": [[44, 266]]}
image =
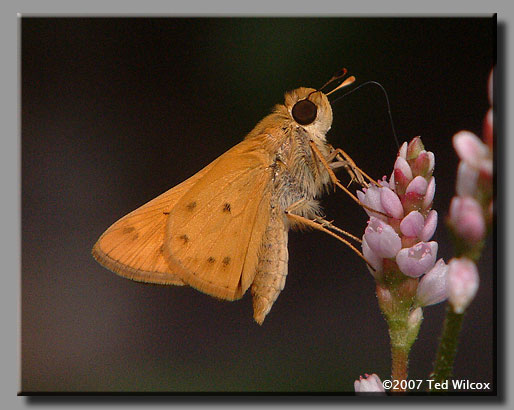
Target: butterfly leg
{"points": [[344, 160], [322, 225], [336, 182]]}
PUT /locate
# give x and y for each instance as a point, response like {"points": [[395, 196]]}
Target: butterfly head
{"points": [[309, 108]]}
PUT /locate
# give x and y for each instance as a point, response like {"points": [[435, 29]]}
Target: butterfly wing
{"points": [[132, 246], [215, 230]]}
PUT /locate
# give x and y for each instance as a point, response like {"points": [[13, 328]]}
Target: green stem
{"points": [[402, 336], [447, 350], [400, 363], [395, 300]]}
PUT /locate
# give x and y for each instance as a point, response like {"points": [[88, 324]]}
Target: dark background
{"points": [[116, 111]]}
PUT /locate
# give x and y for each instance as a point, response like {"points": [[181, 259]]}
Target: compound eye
{"points": [[304, 112]]}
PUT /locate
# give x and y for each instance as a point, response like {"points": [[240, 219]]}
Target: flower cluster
{"points": [[401, 255], [398, 248], [471, 210], [397, 239]]}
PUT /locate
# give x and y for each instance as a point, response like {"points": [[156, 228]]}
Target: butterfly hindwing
{"points": [[133, 246]]}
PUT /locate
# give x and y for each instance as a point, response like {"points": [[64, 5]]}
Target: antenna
{"points": [[340, 74], [387, 101]]}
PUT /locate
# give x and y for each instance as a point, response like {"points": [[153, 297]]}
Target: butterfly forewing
{"points": [[214, 236]]}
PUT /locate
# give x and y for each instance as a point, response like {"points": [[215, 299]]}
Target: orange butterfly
{"points": [[226, 228]]}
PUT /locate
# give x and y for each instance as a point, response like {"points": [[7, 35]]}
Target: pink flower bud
{"points": [[469, 148], [412, 201], [432, 286], [418, 185], [467, 178], [461, 283], [412, 224], [429, 195], [399, 182], [371, 198], [402, 152], [422, 164], [382, 239], [403, 166], [369, 384], [414, 148], [374, 260], [429, 227], [467, 219], [391, 203], [431, 162], [417, 259]]}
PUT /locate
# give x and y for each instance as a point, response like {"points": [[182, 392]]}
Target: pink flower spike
{"points": [[430, 226], [382, 238], [418, 185], [418, 259], [391, 203], [469, 148], [373, 259], [432, 286], [467, 219], [402, 152], [429, 194], [369, 384], [461, 283], [412, 224], [402, 164]]}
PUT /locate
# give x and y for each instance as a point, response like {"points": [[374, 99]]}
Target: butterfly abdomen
{"points": [[271, 272]]}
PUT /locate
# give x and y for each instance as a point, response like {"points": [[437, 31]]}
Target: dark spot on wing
{"points": [[128, 229], [191, 205], [226, 207], [185, 238], [226, 260], [211, 259]]}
